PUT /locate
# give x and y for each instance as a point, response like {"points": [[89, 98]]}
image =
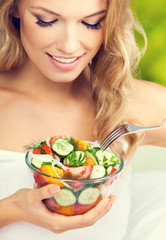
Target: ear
{"points": [[15, 12], [15, 18]]}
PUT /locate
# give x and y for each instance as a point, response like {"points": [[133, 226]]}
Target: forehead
{"points": [[66, 7]]}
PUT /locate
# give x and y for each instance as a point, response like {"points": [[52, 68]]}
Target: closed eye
{"points": [[93, 26], [45, 24], [42, 23]]}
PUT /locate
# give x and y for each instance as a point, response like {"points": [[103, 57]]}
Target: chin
{"points": [[66, 77], [61, 79]]}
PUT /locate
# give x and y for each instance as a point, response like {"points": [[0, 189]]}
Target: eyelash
{"points": [[42, 23], [93, 26]]}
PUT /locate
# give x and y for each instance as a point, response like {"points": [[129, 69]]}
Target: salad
{"points": [[80, 169]]}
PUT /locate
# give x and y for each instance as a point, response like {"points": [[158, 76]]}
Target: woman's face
{"points": [[61, 36]]}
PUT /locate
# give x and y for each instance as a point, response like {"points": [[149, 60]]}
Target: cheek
{"points": [[32, 37], [96, 40]]}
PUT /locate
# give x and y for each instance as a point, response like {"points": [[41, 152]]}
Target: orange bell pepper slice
{"points": [[47, 169]]}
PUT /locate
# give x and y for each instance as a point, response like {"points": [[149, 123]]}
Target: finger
{"points": [[47, 191], [91, 216], [99, 211]]}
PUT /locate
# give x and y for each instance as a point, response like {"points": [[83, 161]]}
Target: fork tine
{"points": [[117, 133], [104, 147], [111, 135], [123, 130], [111, 140]]}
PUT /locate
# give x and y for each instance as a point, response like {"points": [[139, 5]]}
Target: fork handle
{"points": [[136, 128]]}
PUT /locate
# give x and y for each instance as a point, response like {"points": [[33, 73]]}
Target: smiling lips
{"points": [[64, 60], [64, 63]]}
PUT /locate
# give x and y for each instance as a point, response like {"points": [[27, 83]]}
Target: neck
{"points": [[29, 80]]}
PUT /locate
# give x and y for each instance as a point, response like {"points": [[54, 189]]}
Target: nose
{"points": [[68, 41]]}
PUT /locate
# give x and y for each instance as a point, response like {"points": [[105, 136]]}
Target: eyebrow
{"points": [[54, 13]]}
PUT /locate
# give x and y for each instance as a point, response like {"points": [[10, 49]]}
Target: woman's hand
{"points": [[26, 205], [156, 137]]}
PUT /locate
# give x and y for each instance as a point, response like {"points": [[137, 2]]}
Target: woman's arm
{"points": [[156, 138], [156, 112], [26, 205], [7, 212], [150, 109]]}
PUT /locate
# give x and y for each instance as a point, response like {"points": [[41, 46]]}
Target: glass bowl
{"points": [[76, 196]]}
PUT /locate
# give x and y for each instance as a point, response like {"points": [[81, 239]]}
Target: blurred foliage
{"points": [[152, 16]]}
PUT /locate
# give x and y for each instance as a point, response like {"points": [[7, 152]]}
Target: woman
{"points": [[66, 68]]}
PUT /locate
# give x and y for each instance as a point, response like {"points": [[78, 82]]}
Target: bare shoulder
{"points": [[149, 108], [150, 102], [150, 88]]}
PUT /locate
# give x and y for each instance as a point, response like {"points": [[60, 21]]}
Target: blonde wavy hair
{"points": [[12, 53], [111, 71]]}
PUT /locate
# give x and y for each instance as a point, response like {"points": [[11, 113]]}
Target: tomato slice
{"points": [[111, 170], [47, 149], [52, 139], [39, 180], [37, 151], [77, 185], [82, 172], [87, 171]]}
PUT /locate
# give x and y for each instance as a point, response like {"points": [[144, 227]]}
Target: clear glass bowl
{"points": [[76, 196]]}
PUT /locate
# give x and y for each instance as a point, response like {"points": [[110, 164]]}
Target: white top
{"points": [[14, 174]]}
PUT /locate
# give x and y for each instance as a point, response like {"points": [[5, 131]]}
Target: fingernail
{"points": [[113, 197], [110, 200], [54, 189]]}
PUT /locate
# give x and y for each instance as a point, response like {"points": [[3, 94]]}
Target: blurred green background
{"points": [[152, 15]]}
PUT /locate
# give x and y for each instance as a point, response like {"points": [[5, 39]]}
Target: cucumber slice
{"points": [[107, 158], [62, 147], [75, 159], [38, 159], [91, 155], [94, 150], [89, 195], [65, 197], [104, 154], [98, 171]]}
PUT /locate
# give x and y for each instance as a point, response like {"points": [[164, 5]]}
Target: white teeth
{"points": [[64, 60]]}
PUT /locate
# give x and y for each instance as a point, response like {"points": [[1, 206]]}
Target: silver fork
{"points": [[123, 130]]}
